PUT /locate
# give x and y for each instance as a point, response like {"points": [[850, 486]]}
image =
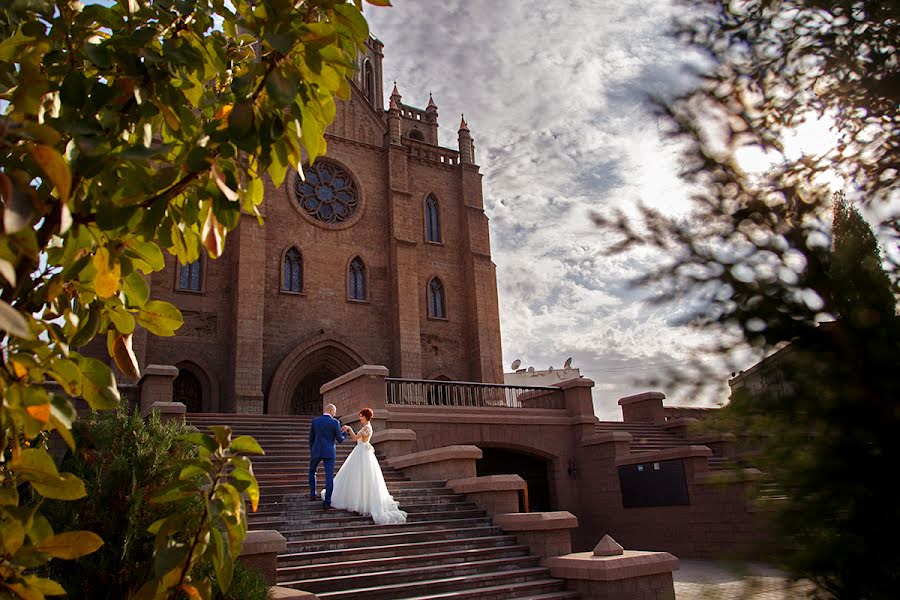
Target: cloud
{"points": [[556, 96]]}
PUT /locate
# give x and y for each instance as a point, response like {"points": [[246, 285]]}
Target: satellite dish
{"points": [[531, 369], [568, 364], [516, 364], [551, 368]]}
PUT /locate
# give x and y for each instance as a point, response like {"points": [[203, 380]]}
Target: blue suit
{"points": [[324, 433]]}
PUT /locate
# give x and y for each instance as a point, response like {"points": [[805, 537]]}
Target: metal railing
{"points": [[425, 392]]}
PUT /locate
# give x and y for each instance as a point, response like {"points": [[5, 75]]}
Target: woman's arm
{"points": [[350, 433]]}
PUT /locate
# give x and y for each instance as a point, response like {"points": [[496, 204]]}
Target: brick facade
{"points": [[249, 345]]}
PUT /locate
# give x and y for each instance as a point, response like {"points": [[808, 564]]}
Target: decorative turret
{"points": [[394, 111], [466, 145], [432, 107]]}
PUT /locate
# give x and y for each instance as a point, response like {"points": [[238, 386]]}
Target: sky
{"points": [[555, 93]]}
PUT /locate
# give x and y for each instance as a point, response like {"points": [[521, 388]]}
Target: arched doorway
{"points": [[188, 390], [307, 399], [534, 470], [296, 383]]}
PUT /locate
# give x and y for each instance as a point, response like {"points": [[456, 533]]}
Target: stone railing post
{"points": [[260, 552], [580, 403], [360, 388], [645, 408], [156, 392], [545, 533]]}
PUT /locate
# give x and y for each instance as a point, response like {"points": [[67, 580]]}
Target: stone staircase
{"points": [[448, 548], [649, 437]]}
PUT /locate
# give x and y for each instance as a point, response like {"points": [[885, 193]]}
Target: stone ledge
{"points": [[394, 435], [285, 593], [165, 370], [573, 383], [678, 422], [642, 398], [166, 410], [729, 476], [363, 371], [607, 437], [264, 541], [712, 438], [487, 483], [435, 455], [536, 521], [667, 454], [632, 563]]}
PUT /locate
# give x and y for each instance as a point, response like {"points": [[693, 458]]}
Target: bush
{"points": [[124, 461]]}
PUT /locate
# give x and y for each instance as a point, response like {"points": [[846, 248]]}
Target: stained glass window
{"points": [[190, 276], [436, 305], [357, 283], [292, 271], [432, 220], [327, 193]]}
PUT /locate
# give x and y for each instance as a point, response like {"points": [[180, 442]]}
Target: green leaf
{"points": [[12, 46], [200, 439], [246, 444], [240, 120], [9, 496], [71, 544], [67, 487], [146, 255], [252, 488], [13, 322], [222, 433], [48, 587], [160, 318], [282, 90], [67, 374], [88, 329], [121, 319], [54, 167], [168, 559], [12, 535], [174, 491], [136, 289], [192, 472], [40, 529], [98, 385]]}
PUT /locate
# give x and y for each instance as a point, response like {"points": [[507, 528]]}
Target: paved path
{"points": [[709, 580]]}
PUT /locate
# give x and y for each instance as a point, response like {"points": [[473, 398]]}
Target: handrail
{"points": [[429, 392]]}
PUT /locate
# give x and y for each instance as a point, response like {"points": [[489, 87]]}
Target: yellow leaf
{"points": [[125, 358], [19, 369], [71, 544], [39, 412], [213, 234], [106, 282], [23, 592], [222, 184], [191, 591], [54, 167]]}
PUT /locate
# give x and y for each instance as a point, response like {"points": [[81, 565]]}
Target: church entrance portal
{"points": [[307, 399], [297, 381], [500, 461]]}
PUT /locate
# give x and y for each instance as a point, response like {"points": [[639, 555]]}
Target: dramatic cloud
{"points": [[555, 93]]}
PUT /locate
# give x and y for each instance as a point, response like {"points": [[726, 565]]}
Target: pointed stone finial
{"points": [[395, 92], [431, 104], [608, 547], [463, 126]]}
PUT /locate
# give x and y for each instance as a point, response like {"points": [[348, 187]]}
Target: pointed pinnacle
{"points": [[431, 103], [463, 126]]}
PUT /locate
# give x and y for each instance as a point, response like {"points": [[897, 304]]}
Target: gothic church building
{"points": [[379, 255]]}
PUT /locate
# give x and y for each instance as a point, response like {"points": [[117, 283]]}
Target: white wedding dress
{"points": [[359, 485]]}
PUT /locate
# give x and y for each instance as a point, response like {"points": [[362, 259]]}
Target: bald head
{"points": [[330, 409]]}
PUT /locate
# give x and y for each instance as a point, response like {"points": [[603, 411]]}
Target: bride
{"points": [[359, 485]]}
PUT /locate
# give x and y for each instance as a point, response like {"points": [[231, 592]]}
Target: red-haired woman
{"points": [[359, 485]]}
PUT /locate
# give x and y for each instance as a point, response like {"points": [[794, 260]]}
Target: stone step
{"points": [[301, 503], [352, 519], [397, 535], [370, 565], [390, 550], [486, 584], [498, 592], [314, 510], [313, 533], [395, 487], [405, 575]]}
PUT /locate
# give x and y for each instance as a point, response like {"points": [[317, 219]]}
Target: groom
{"points": [[324, 434]]}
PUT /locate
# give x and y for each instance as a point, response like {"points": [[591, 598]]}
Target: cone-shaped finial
{"points": [[395, 92], [463, 126], [608, 547], [431, 104]]}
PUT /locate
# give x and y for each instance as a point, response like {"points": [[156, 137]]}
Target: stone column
{"points": [[645, 408], [249, 308]]}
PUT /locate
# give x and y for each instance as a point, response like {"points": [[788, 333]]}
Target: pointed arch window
{"points": [[432, 220], [437, 304], [292, 272], [190, 276], [356, 285], [370, 83]]}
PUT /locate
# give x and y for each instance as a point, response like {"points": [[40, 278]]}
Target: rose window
{"points": [[327, 193]]}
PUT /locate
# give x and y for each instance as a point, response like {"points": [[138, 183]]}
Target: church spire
{"points": [[466, 145], [463, 126], [395, 98], [431, 104]]}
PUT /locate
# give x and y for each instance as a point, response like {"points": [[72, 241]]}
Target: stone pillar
{"points": [[449, 462], [260, 552], [483, 333], [248, 314], [580, 404], [360, 388], [394, 442], [156, 385], [496, 494], [645, 408], [613, 573], [545, 533]]}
